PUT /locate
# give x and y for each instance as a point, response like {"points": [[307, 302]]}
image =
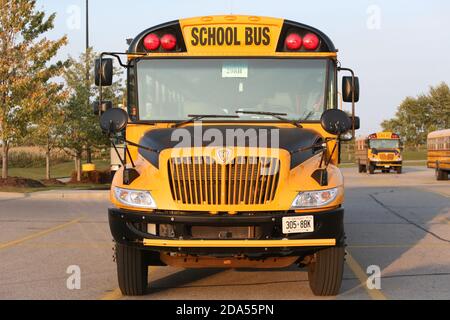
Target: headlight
{"points": [[314, 199], [135, 198]]}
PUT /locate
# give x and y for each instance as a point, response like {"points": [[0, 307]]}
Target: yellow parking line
{"points": [[113, 295], [375, 294], [38, 234]]}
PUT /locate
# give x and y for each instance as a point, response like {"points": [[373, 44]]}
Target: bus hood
{"points": [[289, 139]]}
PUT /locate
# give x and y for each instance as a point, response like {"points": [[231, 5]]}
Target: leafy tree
{"points": [[417, 116], [24, 66], [439, 102], [48, 122], [82, 130]]}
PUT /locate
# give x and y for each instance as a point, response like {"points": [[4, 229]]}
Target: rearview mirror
{"points": [[113, 120], [103, 73], [348, 89], [335, 121]]}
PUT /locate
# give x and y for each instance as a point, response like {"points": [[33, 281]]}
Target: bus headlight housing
{"points": [[135, 198], [314, 199]]}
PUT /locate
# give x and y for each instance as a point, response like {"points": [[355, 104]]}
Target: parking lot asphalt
{"points": [[399, 223]]}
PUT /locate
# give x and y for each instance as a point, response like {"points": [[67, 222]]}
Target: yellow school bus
{"points": [[379, 151], [439, 153], [232, 135]]}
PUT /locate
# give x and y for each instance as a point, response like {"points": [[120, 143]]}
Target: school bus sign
{"points": [[211, 36]]}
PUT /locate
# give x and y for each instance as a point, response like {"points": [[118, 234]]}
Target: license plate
{"points": [[387, 167], [298, 224]]}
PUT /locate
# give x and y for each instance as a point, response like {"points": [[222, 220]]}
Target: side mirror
{"points": [[113, 120], [357, 123], [348, 89], [335, 121], [103, 73], [99, 109]]}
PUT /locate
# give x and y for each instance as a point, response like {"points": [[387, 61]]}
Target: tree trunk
{"points": [[47, 164], [78, 165], [5, 150], [88, 155]]}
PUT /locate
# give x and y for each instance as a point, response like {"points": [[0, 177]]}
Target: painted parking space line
{"points": [[356, 268], [113, 295], [32, 236]]}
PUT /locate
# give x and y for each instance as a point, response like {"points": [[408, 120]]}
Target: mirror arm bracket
{"points": [[321, 174]]}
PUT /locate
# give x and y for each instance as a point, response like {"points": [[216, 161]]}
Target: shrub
{"points": [[95, 177]]}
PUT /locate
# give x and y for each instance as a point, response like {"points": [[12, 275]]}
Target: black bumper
{"points": [[381, 164], [130, 228]]}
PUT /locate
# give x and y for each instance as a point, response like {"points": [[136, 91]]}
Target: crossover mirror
{"points": [[113, 120], [103, 73], [335, 121], [349, 89]]}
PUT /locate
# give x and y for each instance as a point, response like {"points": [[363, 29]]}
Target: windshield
{"points": [[172, 89], [384, 144]]}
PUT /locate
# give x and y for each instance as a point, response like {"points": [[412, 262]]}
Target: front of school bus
{"points": [[232, 150], [384, 152]]}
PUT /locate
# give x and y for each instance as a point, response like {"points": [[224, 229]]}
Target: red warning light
{"points": [[311, 41], [168, 41], [293, 41], [151, 42]]}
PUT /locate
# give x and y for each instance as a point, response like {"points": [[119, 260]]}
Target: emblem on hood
{"points": [[223, 155]]}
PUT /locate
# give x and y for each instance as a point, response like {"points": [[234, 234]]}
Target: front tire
{"points": [[360, 168], [399, 170], [325, 272], [371, 169], [132, 270], [441, 175]]}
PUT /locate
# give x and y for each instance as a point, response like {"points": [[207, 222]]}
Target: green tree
{"points": [[439, 102], [82, 130], [417, 116], [48, 122], [24, 66]]}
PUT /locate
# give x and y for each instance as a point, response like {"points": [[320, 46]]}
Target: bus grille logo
{"points": [[223, 155]]}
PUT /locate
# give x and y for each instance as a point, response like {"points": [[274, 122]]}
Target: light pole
{"points": [[87, 24], [88, 149]]}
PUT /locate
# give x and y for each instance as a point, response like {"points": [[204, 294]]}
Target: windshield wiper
{"points": [[195, 117], [279, 116]]}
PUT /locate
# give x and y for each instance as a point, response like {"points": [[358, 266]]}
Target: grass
{"points": [[408, 155], [61, 170], [414, 155]]}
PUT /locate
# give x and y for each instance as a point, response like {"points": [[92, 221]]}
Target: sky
{"points": [[397, 48]]}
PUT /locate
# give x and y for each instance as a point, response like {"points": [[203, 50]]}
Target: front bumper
{"points": [[130, 227], [387, 164]]}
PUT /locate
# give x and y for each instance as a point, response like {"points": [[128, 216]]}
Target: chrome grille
{"points": [[386, 156], [243, 181]]}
